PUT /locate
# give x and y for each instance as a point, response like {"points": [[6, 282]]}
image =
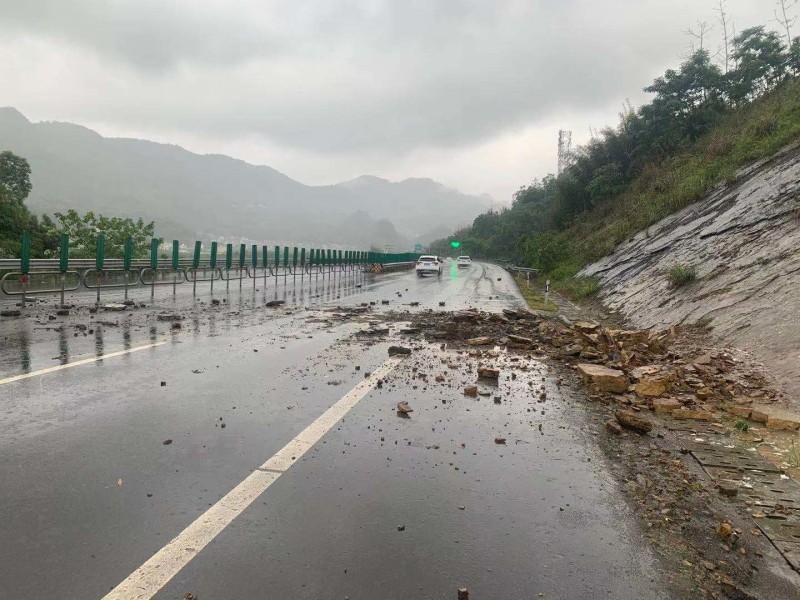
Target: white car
{"points": [[464, 261], [429, 265]]}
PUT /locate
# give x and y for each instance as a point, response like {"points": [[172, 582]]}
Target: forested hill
{"points": [[702, 125], [213, 196]]}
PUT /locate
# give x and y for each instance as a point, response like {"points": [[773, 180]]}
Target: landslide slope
{"points": [[744, 241]]}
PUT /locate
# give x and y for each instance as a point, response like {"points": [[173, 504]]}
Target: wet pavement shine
{"points": [[379, 507]]}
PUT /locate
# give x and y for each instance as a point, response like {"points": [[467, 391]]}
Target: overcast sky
{"points": [[471, 93]]}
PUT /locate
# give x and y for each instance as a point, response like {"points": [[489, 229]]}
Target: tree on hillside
{"points": [[83, 231], [15, 218], [15, 177], [761, 63]]}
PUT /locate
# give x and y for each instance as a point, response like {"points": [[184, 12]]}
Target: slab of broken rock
{"points": [[634, 421], [603, 378], [488, 373], [480, 341]]}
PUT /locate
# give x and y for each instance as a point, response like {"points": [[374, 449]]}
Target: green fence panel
{"points": [[264, 256], [25, 261], [127, 253], [302, 257], [63, 253], [176, 255], [100, 256], [196, 256], [254, 256], [228, 256], [294, 256], [277, 256], [212, 259], [242, 253]]}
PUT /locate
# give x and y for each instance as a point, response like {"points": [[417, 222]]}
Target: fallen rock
{"points": [[471, 390], [604, 378], [168, 318], [500, 440], [488, 373], [642, 372], [403, 409], [665, 405], [783, 423], [633, 421], [728, 488], [480, 341], [693, 415], [586, 326], [10, 313], [399, 351], [463, 593], [275, 303], [652, 386], [613, 427], [63, 312], [519, 340]]}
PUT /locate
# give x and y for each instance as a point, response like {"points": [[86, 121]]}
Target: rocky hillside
{"points": [[743, 241]]}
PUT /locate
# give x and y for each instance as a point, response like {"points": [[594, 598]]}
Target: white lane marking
{"points": [[147, 580], [78, 363]]}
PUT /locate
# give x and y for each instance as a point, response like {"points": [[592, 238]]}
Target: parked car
{"points": [[429, 265], [464, 261]]}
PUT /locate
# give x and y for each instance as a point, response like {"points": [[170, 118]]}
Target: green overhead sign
{"points": [[455, 244]]}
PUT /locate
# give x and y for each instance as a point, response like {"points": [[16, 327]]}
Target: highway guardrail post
{"points": [[154, 243], [265, 263], [127, 255], [254, 262], [63, 262], [242, 257], [25, 263], [176, 246], [228, 265], [100, 258], [196, 263], [212, 261]]}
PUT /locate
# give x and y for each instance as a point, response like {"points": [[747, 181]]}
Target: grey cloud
{"points": [[363, 76]]}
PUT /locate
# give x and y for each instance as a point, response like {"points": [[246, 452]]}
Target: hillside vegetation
{"points": [[701, 127]]}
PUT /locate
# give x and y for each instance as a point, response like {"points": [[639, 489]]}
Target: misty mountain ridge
{"points": [[208, 196]]}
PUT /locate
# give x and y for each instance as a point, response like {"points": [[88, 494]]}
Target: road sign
{"points": [[455, 244], [417, 247]]}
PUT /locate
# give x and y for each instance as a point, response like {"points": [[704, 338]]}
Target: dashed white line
{"points": [[147, 580], [77, 363]]}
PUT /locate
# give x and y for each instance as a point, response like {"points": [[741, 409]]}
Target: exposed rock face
{"points": [[743, 238]]}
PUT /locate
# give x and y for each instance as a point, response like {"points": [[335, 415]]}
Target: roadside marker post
{"points": [[228, 265], [294, 263], [212, 260], [100, 259], [302, 264], [196, 263], [63, 263], [127, 255], [285, 263]]}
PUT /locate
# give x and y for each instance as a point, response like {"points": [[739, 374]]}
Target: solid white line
{"points": [[147, 580], [78, 363]]}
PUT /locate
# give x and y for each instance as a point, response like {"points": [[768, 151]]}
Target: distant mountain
{"points": [[204, 196]]}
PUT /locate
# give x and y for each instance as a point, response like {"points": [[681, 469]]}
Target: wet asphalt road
{"points": [[90, 491]]}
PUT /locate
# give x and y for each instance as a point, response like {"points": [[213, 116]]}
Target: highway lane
{"points": [[91, 491]]}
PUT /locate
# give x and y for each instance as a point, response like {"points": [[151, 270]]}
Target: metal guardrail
{"points": [[101, 273]]}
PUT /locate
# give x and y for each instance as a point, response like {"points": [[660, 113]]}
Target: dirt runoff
{"points": [[659, 400]]}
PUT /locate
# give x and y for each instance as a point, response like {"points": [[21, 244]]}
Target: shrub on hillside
{"points": [[681, 275]]}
